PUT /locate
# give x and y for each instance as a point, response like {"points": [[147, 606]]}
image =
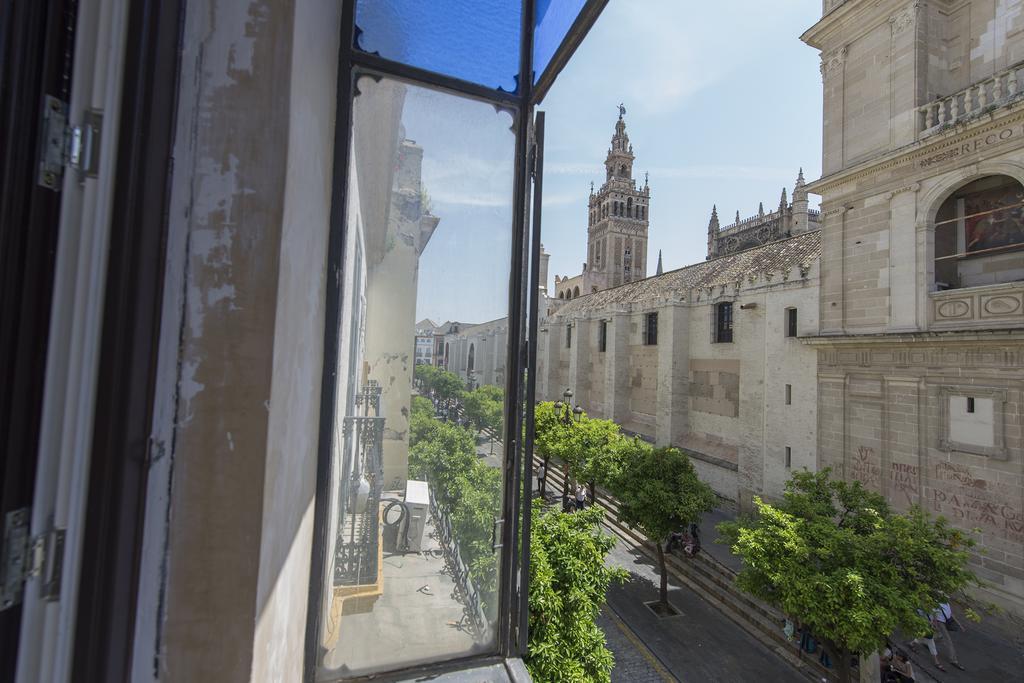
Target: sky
{"points": [[723, 107]]}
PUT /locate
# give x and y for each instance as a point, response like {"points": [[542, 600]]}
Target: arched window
{"points": [[623, 172], [629, 207], [561, 295], [472, 358], [575, 292], [979, 234]]}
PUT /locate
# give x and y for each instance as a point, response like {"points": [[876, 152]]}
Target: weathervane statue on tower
{"points": [[622, 110]]}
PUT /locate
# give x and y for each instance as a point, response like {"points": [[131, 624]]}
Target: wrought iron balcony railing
{"points": [[356, 559]]}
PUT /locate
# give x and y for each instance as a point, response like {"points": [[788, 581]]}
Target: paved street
{"points": [[634, 663], [699, 645]]}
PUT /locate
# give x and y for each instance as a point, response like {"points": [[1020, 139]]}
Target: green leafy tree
{"points": [[447, 386], [424, 375], [659, 493], [835, 558], [484, 407], [568, 583]]}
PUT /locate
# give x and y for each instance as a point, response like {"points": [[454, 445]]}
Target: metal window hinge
{"points": [[496, 534], [24, 557], [62, 145]]}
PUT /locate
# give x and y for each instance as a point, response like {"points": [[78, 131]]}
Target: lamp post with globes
{"points": [[564, 412]]}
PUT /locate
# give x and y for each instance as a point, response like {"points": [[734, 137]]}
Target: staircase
{"points": [[714, 582]]}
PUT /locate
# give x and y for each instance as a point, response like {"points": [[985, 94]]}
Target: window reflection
{"points": [[417, 481]]}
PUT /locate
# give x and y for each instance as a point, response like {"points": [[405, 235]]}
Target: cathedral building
{"points": [[787, 220], [617, 223], [921, 339]]}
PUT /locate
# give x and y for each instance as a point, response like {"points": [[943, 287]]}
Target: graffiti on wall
{"points": [[865, 467], [967, 500], [903, 482]]}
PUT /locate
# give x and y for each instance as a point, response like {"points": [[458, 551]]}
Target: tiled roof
{"points": [[775, 257]]}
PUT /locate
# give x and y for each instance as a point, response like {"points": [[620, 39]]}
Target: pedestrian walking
{"points": [[540, 478], [581, 497], [928, 638], [945, 622]]}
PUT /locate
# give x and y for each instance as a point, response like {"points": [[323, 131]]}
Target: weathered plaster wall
{"points": [[293, 431], [248, 217]]}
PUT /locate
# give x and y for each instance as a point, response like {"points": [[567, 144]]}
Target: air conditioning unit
{"points": [[417, 505]]}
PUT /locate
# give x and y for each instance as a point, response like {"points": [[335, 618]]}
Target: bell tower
{"points": [[618, 219]]}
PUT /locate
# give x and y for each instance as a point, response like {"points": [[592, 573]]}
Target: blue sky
{"points": [[723, 106]]}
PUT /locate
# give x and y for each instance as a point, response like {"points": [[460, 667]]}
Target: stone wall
{"points": [[723, 402], [887, 419]]}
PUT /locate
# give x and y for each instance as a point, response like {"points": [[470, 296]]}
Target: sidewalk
{"points": [[987, 650]]}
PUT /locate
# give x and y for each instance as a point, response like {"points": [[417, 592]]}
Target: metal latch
{"points": [[496, 534], [62, 145], [24, 558]]}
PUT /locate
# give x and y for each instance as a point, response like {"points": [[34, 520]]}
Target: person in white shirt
{"points": [[581, 497], [942, 617]]}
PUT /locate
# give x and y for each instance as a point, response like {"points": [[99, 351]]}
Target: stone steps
{"points": [[714, 582]]}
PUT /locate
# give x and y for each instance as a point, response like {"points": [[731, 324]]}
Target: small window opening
{"points": [[789, 457], [651, 329], [789, 394], [970, 404], [568, 336], [723, 323], [790, 322], [602, 336]]}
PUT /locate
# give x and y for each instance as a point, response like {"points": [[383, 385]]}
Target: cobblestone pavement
{"points": [[633, 662]]}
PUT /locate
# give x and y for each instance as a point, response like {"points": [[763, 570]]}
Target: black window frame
{"points": [[651, 329], [723, 322], [791, 321], [970, 407], [512, 625]]}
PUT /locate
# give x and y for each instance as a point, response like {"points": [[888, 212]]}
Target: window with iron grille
{"points": [[568, 336], [651, 329], [602, 336], [723, 322]]}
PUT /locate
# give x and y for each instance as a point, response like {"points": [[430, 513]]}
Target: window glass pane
{"points": [[475, 40], [554, 19], [416, 480]]}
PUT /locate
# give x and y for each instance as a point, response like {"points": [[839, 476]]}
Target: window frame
{"points": [[651, 329], [602, 336], [791, 322], [512, 625], [720, 331], [568, 336]]}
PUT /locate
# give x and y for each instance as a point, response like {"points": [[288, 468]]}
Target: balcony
{"points": [[974, 100], [991, 306]]}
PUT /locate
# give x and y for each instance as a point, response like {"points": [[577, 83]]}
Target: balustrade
{"points": [[971, 101], [356, 558]]}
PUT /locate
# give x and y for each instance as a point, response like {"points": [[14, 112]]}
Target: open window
{"points": [[979, 234]]}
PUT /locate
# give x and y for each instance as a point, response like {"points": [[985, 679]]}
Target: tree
{"points": [[485, 407], [447, 386], [659, 493], [836, 559], [568, 582]]}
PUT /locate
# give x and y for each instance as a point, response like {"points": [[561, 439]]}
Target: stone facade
{"points": [[921, 345], [787, 220], [648, 356]]}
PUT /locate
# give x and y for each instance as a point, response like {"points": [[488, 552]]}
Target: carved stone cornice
{"points": [[832, 61], [904, 18]]}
